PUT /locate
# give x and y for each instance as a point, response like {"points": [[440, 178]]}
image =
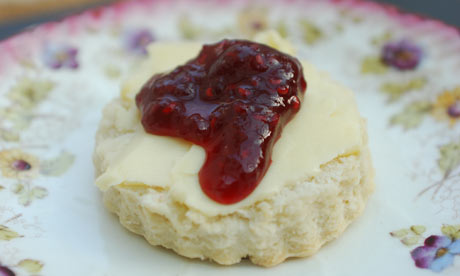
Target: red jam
{"points": [[233, 100]]}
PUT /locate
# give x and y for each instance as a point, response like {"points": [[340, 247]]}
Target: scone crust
{"points": [[295, 222]]}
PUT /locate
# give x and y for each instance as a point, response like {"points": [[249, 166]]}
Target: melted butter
{"points": [[327, 125]]}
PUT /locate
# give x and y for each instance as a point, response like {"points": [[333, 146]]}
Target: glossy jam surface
{"points": [[233, 99]]}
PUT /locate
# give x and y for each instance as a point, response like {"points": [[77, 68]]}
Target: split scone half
{"points": [[319, 180]]}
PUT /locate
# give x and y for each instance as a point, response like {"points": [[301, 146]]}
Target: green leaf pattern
{"points": [[373, 65], [7, 234], [31, 266], [58, 165], [187, 28], [282, 29], [27, 193], [412, 115], [452, 231], [311, 32], [449, 157], [395, 90], [409, 236], [24, 97]]}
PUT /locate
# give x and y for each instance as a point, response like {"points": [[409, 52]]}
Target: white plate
{"points": [[55, 79]]}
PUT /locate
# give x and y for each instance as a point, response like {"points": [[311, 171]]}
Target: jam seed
{"points": [[294, 101], [244, 92], [275, 81], [254, 47], [259, 60], [202, 59], [169, 108], [260, 117], [231, 86], [208, 92], [213, 122], [240, 108], [282, 90]]}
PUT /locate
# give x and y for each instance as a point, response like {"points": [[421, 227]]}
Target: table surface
{"points": [[445, 10]]}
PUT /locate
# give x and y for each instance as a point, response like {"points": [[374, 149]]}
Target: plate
{"points": [[55, 79]]}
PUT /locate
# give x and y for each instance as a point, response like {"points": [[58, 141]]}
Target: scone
{"points": [[318, 180]]}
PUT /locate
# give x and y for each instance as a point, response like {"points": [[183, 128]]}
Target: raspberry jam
{"points": [[233, 99]]}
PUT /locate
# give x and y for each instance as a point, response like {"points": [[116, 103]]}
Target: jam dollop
{"points": [[233, 99]]}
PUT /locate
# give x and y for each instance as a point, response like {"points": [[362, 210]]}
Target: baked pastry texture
{"points": [[294, 220]]}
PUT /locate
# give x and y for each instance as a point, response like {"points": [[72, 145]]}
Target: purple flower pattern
{"points": [[454, 110], [437, 253], [136, 41], [402, 55], [5, 271], [57, 56]]}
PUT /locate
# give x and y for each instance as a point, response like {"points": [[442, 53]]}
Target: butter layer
{"points": [[328, 125]]}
